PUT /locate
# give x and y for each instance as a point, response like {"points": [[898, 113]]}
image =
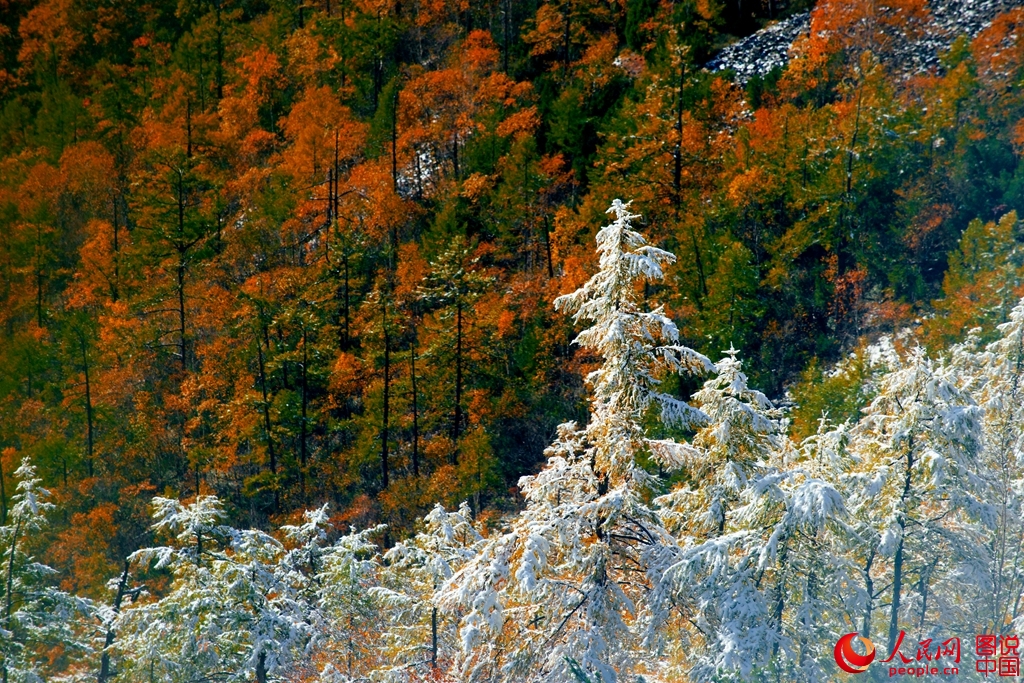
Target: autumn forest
{"points": [[287, 254]]}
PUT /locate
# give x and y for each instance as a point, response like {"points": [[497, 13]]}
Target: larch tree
{"points": [[916, 492], [174, 216], [456, 280], [804, 498], [347, 609], [35, 615], [732, 449], [563, 593], [719, 556], [423, 636], [240, 594], [998, 372]]}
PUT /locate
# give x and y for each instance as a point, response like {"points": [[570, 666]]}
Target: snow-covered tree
{"points": [[234, 610], [805, 500], [997, 377], [352, 623], [35, 615], [562, 594], [915, 493], [424, 638], [731, 452], [718, 560], [795, 515]]}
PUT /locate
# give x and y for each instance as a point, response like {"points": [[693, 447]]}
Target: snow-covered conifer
{"points": [[562, 593], [353, 625], [797, 512], [914, 492], [997, 376], [34, 615], [234, 610], [731, 451], [422, 636], [717, 515]]}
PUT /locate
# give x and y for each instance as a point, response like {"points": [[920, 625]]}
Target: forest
{"points": [[438, 340]]}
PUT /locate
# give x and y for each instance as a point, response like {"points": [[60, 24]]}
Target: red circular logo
{"points": [[848, 660]]}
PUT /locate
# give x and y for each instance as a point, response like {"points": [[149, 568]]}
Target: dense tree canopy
{"points": [[260, 259]]}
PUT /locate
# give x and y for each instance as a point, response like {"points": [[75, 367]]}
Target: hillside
{"points": [[318, 274], [913, 50]]}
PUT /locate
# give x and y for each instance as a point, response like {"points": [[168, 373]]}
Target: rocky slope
{"points": [[763, 51]]}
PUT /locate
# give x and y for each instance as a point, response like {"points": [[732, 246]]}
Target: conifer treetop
{"points": [[632, 341]]}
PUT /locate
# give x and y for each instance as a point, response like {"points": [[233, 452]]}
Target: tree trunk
{"points": [[677, 171], [88, 407], [181, 310], [394, 141], [328, 211], [779, 601], [39, 276], [848, 214], [220, 54], [700, 266], [336, 199], [266, 417], [433, 638], [261, 668], [188, 128], [415, 410], [345, 339], [565, 63], [105, 674], [302, 424], [115, 285], [182, 249], [897, 563], [924, 597], [455, 155], [387, 389], [419, 172], [5, 278], [869, 587], [677, 186], [457, 426], [547, 246], [812, 594], [3, 497], [506, 27]]}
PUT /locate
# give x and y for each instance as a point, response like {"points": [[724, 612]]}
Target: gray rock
{"points": [[761, 52]]}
